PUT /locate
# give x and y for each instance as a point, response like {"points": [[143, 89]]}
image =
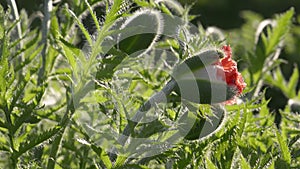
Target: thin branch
{"points": [[16, 16], [57, 141], [15, 13], [45, 31]]}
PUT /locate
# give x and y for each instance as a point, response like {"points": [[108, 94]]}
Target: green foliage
{"points": [[267, 43], [51, 121]]}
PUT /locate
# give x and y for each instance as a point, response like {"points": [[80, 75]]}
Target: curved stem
{"points": [[133, 122], [267, 65], [156, 98]]}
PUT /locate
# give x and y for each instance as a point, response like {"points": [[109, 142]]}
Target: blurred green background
{"points": [[221, 13], [226, 13]]}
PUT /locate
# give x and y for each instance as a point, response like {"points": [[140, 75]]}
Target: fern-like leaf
{"points": [[283, 24], [33, 140]]}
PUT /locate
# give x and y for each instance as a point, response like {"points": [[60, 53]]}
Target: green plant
{"points": [[66, 106]]}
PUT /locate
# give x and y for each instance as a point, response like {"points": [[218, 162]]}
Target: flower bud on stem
{"points": [[208, 77]]}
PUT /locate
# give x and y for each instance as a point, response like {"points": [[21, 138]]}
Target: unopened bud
{"points": [[209, 77]]}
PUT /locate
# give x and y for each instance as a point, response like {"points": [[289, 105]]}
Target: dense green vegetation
{"points": [[76, 80]]}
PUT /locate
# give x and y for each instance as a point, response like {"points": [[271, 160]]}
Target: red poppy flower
{"points": [[228, 68]]}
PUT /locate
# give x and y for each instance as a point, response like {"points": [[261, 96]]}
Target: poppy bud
{"points": [[209, 77]]}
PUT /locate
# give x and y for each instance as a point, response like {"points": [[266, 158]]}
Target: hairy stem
{"points": [[45, 31], [133, 122]]}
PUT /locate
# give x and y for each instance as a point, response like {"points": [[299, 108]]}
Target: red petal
{"points": [[232, 76]]}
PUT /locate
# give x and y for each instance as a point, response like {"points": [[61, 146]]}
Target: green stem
{"points": [[133, 122], [10, 135], [54, 149], [267, 64], [45, 31], [15, 13], [55, 145], [16, 16]]}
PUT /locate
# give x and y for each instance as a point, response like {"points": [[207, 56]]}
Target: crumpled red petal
{"points": [[232, 77]]}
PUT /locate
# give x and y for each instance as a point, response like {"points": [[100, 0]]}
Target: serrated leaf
{"points": [[20, 88], [120, 161], [293, 81], [109, 65], [24, 117], [96, 23], [4, 65], [243, 163], [272, 165], [54, 28], [112, 14], [34, 139], [103, 155], [165, 9], [29, 59], [29, 47], [4, 148], [2, 124], [105, 158], [270, 41], [82, 28], [174, 6], [285, 153], [145, 130], [70, 52], [209, 164], [283, 24], [279, 78]]}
